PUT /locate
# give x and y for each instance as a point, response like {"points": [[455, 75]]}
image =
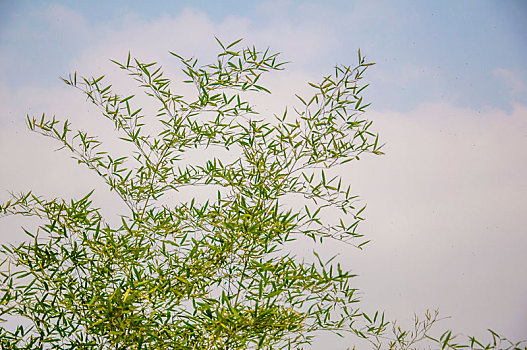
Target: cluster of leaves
{"points": [[390, 335], [193, 275], [210, 274]]}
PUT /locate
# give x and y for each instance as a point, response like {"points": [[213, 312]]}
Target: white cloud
{"points": [[446, 215]]}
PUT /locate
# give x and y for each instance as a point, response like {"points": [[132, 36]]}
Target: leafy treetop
{"points": [[212, 274]]}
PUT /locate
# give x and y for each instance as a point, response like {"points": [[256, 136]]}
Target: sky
{"points": [[447, 203]]}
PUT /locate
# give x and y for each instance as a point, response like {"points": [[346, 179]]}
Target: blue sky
{"points": [[425, 50], [446, 205]]}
